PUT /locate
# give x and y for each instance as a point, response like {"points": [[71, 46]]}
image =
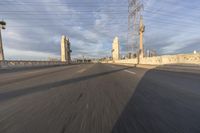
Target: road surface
{"points": [[99, 98]]}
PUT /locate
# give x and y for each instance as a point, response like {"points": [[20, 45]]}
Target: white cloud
{"points": [[13, 54], [91, 33]]}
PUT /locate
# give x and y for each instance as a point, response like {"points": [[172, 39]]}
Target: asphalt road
{"points": [[99, 98]]}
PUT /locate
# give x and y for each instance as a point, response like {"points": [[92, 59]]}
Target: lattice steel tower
{"points": [[135, 9]]}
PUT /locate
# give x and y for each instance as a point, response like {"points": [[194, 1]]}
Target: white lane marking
{"points": [[114, 67], [129, 72], [82, 70]]}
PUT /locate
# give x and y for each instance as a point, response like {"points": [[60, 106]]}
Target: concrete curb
{"points": [[189, 68]]}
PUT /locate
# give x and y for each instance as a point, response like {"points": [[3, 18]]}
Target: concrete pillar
{"points": [[115, 49], [65, 50]]}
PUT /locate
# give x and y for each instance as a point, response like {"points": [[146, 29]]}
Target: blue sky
{"points": [[34, 28]]}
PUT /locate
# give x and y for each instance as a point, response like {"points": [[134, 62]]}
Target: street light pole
{"points": [[2, 26], [1, 48]]}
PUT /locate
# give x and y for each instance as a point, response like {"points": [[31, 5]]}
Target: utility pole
{"points": [[141, 31], [2, 26]]}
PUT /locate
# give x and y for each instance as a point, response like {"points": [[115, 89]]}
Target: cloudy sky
{"points": [[34, 28]]}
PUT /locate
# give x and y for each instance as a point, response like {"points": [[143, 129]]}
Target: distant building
{"points": [[116, 49], [65, 50]]}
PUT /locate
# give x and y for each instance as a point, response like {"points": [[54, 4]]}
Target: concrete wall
{"points": [[172, 59], [162, 60], [17, 64], [127, 61]]}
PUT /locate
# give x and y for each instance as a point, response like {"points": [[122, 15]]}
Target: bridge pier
{"points": [[65, 50]]}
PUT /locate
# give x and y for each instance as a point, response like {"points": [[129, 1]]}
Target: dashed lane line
{"points": [[82, 70], [129, 72]]}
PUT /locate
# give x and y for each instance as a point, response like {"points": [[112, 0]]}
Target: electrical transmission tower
{"points": [[135, 11]]}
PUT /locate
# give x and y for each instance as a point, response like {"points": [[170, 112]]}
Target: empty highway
{"points": [[98, 98]]}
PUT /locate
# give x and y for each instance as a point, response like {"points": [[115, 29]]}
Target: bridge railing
{"points": [[162, 60], [14, 63]]}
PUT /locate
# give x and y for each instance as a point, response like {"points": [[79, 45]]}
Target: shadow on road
{"points": [[21, 69], [26, 91], [163, 102], [33, 75]]}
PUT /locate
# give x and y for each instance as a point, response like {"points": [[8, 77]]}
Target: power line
{"points": [[165, 14], [62, 3], [86, 19], [49, 25], [27, 13]]}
